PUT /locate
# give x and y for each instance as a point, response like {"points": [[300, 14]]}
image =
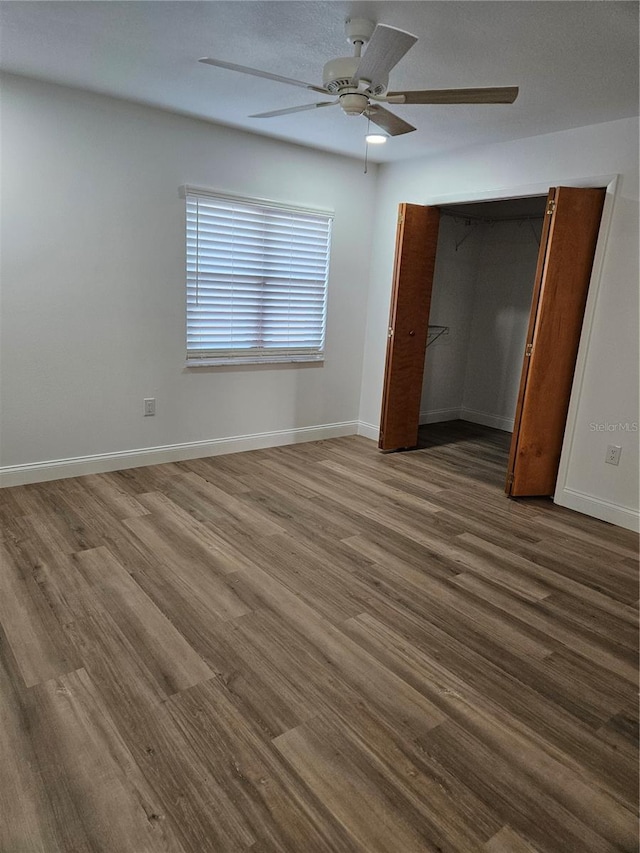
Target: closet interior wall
{"points": [[483, 283]]}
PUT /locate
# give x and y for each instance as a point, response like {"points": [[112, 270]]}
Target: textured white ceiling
{"points": [[576, 62]]}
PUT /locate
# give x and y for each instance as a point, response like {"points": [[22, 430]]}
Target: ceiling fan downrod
{"points": [[338, 75]]}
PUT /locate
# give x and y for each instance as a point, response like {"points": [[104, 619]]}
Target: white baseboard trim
{"points": [[368, 430], [486, 419], [621, 516], [436, 416], [58, 469]]}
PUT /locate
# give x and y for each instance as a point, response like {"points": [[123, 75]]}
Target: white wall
{"points": [[500, 316], [606, 386], [451, 305], [482, 290], [93, 284]]}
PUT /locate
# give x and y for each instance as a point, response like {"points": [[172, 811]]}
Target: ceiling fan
{"points": [[360, 81]]}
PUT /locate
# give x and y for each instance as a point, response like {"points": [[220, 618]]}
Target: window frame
{"points": [[255, 356]]}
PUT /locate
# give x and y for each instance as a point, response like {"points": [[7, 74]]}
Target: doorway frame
{"points": [[562, 495]]}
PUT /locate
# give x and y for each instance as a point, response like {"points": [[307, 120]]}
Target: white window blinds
{"points": [[256, 281]]}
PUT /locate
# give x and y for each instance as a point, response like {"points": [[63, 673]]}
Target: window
{"points": [[256, 281]]}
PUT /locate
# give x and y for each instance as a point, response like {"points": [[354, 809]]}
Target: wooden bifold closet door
{"points": [[416, 242], [562, 280]]}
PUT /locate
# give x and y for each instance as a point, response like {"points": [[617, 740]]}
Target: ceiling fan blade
{"points": [[393, 124], [496, 95], [243, 69], [385, 49], [295, 109]]}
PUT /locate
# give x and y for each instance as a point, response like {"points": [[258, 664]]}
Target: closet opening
{"points": [[480, 305], [498, 290]]}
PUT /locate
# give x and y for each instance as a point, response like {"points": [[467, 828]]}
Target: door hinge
{"points": [[390, 332], [528, 350], [551, 206], [510, 478], [400, 218]]}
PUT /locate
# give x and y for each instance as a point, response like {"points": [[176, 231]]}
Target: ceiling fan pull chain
{"points": [[366, 146]]}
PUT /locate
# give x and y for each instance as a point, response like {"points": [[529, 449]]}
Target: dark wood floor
{"points": [[315, 648]]}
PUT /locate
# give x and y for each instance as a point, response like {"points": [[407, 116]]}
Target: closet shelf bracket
{"points": [[434, 333]]}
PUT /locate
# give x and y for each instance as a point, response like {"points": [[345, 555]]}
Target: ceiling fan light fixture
{"points": [[375, 138]]}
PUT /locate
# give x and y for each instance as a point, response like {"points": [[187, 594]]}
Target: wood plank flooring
{"points": [[316, 649]]}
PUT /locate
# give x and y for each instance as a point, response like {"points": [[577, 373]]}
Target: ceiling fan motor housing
{"points": [[338, 74]]}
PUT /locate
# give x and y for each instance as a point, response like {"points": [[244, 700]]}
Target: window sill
{"points": [[251, 362]]}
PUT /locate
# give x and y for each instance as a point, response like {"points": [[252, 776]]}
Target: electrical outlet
{"points": [[612, 456], [149, 406]]}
